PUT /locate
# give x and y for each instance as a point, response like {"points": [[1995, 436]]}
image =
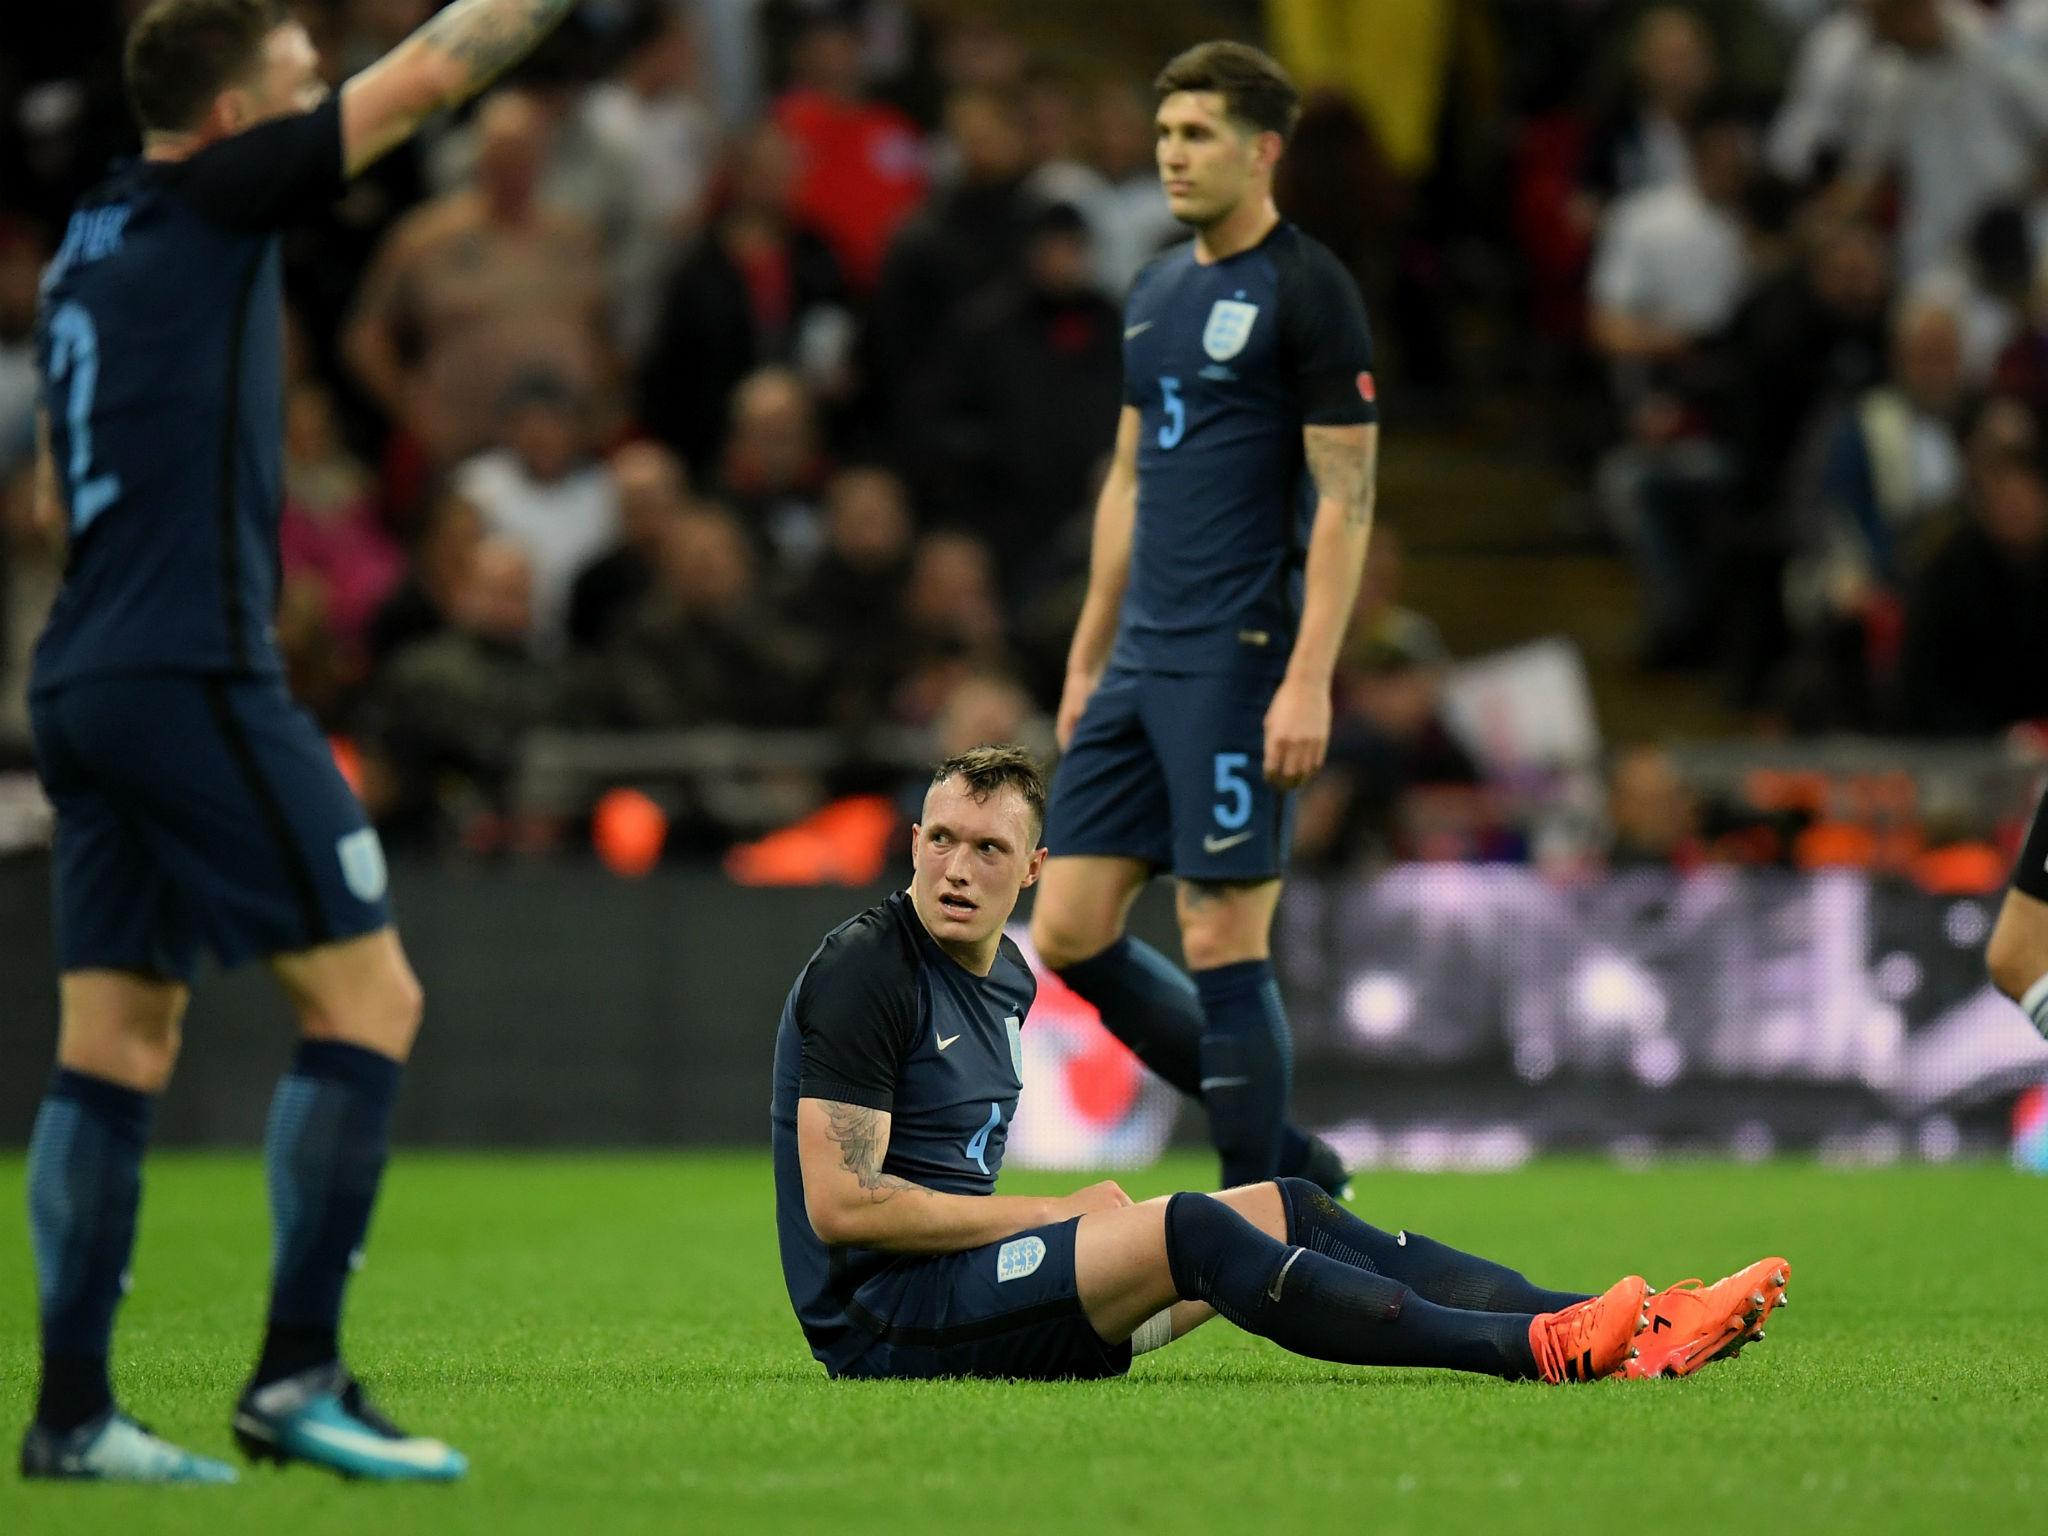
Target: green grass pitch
{"points": [[608, 1338]]}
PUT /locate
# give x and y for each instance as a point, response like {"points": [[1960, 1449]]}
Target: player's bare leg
{"points": [[122, 1026], [117, 1046], [359, 1008], [1263, 1257], [1082, 906], [2017, 956]]}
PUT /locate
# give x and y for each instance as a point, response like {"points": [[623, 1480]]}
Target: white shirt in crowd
{"points": [[562, 526], [1671, 259]]}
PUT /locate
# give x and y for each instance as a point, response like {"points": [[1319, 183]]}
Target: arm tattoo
{"points": [[857, 1133], [487, 37], [1343, 470]]}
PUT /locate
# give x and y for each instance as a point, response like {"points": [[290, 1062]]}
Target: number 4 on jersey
{"points": [[75, 357], [977, 1149]]}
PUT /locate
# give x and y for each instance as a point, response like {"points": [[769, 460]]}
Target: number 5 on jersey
{"points": [[1175, 427]]}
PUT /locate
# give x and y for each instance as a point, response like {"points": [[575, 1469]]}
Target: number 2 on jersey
{"points": [[977, 1149], [1175, 427], [75, 356]]}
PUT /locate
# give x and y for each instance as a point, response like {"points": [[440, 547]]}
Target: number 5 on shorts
{"points": [[1234, 802]]}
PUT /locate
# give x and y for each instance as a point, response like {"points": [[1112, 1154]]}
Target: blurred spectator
{"points": [[1986, 284], [541, 489], [1817, 116], [966, 238], [1127, 213], [1388, 738], [775, 467], [421, 605], [653, 490], [1813, 335], [754, 289], [1643, 140], [705, 647], [476, 288], [1977, 624], [2022, 369], [648, 116], [1034, 381], [1889, 466], [1051, 109], [851, 596], [441, 733], [1891, 463], [1653, 819], [1673, 265], [1673, 259], [330, 534], [1958, 117], [861, 165], [21, 264], [953, 622]]}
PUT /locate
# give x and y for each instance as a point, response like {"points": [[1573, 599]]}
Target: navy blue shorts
{"points": [[1170, 769], [1008, 1309], [199, 812]]}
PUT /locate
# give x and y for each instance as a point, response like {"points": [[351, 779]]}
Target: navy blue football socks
{"points": [[84, 1186], [1247, 1068], [1430, 1269], [324, 1153], [1152, 1005], [1321, 1307], [1147, 1002]]}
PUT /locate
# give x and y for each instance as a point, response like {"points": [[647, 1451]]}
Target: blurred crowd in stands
{"points": [[750, 363]]}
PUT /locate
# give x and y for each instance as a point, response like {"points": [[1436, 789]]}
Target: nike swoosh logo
{"points": [[1273, 1290], [1215, 844], [1139, 329], [946, 1040], [1400, 1239]]}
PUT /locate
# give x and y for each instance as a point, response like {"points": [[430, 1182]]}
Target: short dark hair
{"points": [[988, 769], [183, 53], [1255, 89]]}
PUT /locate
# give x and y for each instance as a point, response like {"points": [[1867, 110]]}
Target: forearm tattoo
{"points": [[857, 1132], [1343, 471], [489, 36]]}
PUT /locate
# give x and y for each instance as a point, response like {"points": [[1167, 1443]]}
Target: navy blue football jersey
{"points": [[160, 339], [1227, 362], [884, 1018]]}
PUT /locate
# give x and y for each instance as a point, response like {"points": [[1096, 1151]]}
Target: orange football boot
{"points": [[1592, 1338], [1691, 1323]]}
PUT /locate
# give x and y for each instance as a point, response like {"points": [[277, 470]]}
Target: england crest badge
{"points": [[1229, 328]]}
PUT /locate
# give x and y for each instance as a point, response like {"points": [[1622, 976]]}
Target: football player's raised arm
{"points": [[452, 57], [850, 1201], [1109, 569], [45, 502]]}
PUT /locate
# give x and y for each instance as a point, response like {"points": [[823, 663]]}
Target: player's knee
{"points": [[1064, 937], [138, 1050], [383, 1016], [2014, 958], [1207, 943]]}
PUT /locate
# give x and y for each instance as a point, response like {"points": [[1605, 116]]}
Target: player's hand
{"points": [[1074, 697], [1297, 733], [1106, 1196]]}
